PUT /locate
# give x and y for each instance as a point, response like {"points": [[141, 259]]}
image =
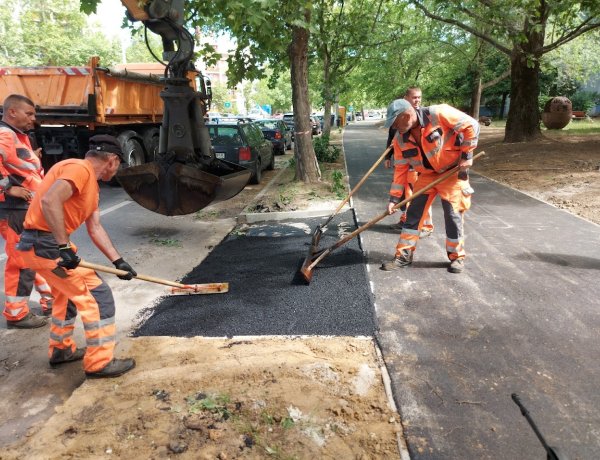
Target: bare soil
{"points": [[268, 397]]}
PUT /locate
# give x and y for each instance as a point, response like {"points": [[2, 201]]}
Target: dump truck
{"points": [[76, 102], [170, 166]]}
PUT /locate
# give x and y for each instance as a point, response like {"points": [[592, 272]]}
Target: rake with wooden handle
{"points": [[314, 256], [176, 288], [316, 237]]}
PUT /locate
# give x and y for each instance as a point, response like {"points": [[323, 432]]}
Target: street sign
{"points": [[227, 105], [350, 109]]}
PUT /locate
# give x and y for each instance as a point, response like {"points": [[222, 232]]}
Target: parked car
{"points": [[358, 117], [214, 116], [315, 126], [242, 143], [278, 133], [288, 119]]}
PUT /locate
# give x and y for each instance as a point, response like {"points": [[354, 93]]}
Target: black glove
{"points": [[463, 174], [120, 264], [68, 258]]}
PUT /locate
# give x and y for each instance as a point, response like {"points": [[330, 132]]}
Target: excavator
{"points": [[185, 176]]}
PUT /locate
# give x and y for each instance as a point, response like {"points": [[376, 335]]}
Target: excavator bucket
{"points": [[177, 189]]}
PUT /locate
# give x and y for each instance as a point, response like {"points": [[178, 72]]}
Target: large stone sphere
{"points": [[557, 113]]}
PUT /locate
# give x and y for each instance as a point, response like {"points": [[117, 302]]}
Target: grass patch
{"points": [[211, 214], [169, 242]]}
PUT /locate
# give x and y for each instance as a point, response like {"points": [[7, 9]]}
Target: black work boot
{"points": [[113, 369], [29, 321], [456, 266], [404, 260], [61, 356]]}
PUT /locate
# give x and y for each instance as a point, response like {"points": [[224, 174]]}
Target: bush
{"points": [[584, 100], [325, 152]]}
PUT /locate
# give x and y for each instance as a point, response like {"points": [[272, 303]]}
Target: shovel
{"points": [[316, 237], [314, 256], [176, 288]]}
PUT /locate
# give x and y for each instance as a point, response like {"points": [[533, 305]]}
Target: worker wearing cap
{"points": [[431, 141], [67, 197], [413, 95], [20, 175]]}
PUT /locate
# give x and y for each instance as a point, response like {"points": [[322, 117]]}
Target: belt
{"points": [[34, 232]]}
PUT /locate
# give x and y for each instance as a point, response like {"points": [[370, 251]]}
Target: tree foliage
{"points": [[50, 32], [519, 29]]}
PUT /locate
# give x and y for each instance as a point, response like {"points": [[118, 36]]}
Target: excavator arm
{"points": [[185, 177]]}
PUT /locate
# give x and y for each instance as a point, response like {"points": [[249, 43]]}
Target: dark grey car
{"points": [[242, 143], [277, 132]]}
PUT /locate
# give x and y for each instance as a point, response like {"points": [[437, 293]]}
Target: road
{"points": [[522, 318]]}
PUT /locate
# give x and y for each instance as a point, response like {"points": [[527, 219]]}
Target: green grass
{"points": [[575, 127], [579, 127]]}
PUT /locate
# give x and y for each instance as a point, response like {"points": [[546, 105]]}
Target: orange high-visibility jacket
{"points": [[447, 135], [18, 166]]}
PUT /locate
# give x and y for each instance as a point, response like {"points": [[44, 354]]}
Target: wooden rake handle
{"points": [[115, 271], [372, 222], [359, 185]]}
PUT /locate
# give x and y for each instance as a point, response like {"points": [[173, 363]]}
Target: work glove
{"points": [[68, 258], [463, 174], [120, 264]]}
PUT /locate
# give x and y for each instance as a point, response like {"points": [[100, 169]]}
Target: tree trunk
{"points": [[503, 105], [327, 118], [307, 167], [523, 123], [476, 97]]}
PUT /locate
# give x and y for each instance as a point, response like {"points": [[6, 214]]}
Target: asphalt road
{"points": [[522, 318]]}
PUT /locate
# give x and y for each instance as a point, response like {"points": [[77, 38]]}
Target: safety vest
{"points": [[18, 166]]}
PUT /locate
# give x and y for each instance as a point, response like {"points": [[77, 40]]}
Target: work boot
{"points": [[456, 266], [113, 369], [397, 226], [29, 321], [425, 232], [61, 356], [398, 262]]}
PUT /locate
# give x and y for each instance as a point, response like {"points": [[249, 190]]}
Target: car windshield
{"points": [[224, 135], [269, 124]]}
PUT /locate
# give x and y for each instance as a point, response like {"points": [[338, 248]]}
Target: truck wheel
{"points": [[257, 176], [134, 153]]}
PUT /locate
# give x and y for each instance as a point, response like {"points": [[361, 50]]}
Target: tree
{"points": [[51, 32], [518, 28]]}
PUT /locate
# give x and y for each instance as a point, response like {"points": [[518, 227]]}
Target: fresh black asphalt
{"points": [[267, 296], [522, 318]]}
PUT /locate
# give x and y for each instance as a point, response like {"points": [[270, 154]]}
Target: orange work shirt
{"points": [[79, 207]]}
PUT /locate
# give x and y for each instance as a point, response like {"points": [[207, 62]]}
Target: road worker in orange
{"points": [[20, 175], [432, 140], [67, 197], [402, 191]]}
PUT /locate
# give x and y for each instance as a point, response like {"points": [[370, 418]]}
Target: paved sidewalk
{"points": [[522, 318]]}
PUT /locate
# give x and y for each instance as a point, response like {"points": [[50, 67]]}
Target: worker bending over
{"points": [[69, 196], [432, 140]]}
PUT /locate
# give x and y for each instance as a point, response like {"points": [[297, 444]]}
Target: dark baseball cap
{"points": [[106, 143], [397, 107]]}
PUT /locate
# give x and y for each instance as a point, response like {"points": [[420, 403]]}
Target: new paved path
{"points": [[524, 318]]}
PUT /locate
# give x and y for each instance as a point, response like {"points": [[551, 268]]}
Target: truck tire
{"points": [[133, 152]]}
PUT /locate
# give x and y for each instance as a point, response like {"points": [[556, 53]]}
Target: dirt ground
{"points": [[280, 398]]}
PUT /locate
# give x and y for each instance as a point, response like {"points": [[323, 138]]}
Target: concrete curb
{"points": [[254, 217]]}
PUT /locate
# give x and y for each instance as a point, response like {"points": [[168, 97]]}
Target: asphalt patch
{"points": [[266, 296]]}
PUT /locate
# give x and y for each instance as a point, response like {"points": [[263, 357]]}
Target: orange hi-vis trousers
{"points": [[456, 200], [78, 290], [19, 281], [407, 193]]}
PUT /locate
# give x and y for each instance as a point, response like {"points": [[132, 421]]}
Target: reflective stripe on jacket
{"points": [[18, 166], [447, 135]]}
